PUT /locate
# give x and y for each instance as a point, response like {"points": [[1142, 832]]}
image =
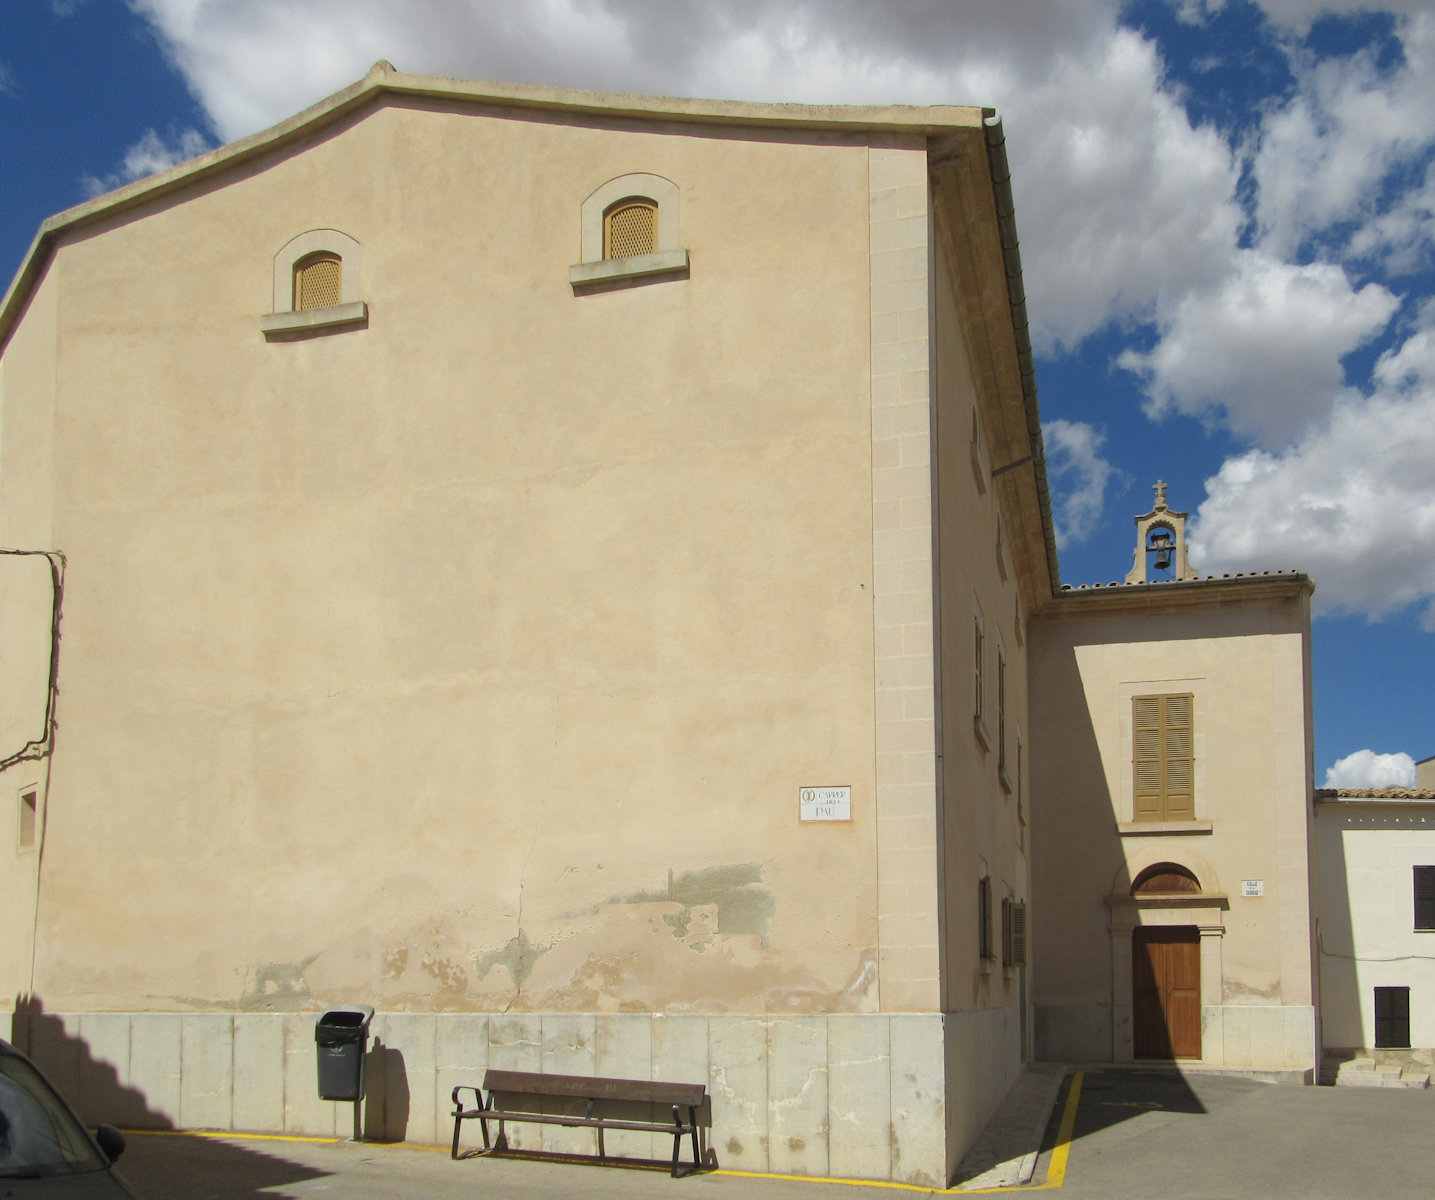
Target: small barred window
{"points": [[318, 280], [630, 228]]}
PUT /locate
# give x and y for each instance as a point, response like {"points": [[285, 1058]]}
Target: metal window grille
{"points": [[630, 228], [318, 281]]}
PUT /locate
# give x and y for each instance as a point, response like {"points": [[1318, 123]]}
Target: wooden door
{"points": [[1166, 991]]}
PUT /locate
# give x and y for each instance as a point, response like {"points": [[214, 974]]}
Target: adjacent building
{"points": [[1377, 919], [1171, 808]]}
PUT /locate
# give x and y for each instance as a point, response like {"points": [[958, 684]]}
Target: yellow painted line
{"points": [[226, 1135], [871, 1183], [1056, 1171], [1055, 1175], [238, 1137]]}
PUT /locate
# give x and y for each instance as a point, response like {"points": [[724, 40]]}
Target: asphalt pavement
{"points": [[1129, 1134]]}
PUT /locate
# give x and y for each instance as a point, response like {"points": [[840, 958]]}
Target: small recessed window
{"points": [[630, 233], [318, 281], [28, 807], [630, 228]]}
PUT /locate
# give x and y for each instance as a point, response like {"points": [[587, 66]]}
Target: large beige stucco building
{"points": [[458, 527]]}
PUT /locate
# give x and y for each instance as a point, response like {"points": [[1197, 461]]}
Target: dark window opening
{"points": [[1392, 1018]]}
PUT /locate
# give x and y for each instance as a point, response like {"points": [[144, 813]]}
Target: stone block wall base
{"points": [[1276, 1039], [865, 1096]]}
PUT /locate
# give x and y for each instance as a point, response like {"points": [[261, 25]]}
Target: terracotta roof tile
{"points": [[1387, 793]]}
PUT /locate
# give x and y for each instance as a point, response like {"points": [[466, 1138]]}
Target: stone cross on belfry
{"points": [[1161, 524]]}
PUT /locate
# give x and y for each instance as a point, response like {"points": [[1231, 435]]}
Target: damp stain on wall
{"points": [[743, 905], [518, 955], [278, 987]]}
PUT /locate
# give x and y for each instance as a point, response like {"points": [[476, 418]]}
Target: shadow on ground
{"points": [[173, 1166], [1111, 1098]]}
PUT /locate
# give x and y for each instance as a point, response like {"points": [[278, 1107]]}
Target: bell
{"points": [[1161, 543]]}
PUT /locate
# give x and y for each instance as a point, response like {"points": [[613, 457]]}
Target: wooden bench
{"points": [[575, 1101]]}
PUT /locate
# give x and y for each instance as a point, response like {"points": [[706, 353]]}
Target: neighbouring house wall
{"points": [[1245, 659], [1367, 852]]}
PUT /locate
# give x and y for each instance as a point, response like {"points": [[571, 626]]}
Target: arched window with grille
{"points": [[318, 281], [630, 230], [630, 227], [316, 286]]}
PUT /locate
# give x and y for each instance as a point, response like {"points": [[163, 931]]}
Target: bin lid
{"points": [[348, 1016]]}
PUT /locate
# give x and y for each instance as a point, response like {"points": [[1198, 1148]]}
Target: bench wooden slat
{"points": [[584, 1087], [500, 1114]]}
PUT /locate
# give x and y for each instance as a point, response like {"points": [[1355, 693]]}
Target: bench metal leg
{"points": [[678, 1140]]}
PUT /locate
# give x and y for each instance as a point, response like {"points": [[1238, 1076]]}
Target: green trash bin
{"points": [[341, 1036]]}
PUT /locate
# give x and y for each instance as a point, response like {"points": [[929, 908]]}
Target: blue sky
{"points": [[1227, 213]]}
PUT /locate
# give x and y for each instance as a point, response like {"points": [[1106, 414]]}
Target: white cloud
{"points": [[1298, 15], [1262, 348], [1079, 474], [1366, 769], [1324, 155], [1122, 204], [150, 154], [1352, 503]]}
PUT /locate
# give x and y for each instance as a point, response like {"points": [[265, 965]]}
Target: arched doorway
{"points": [[1166, 971]]}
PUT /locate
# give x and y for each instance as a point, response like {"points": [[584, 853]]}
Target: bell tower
{"points": [[1161, 532]]}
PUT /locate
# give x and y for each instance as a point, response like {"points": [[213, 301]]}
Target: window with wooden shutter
{"points": [[318, 281], [1392, 1018], [1425, 898], [1001, 713], [1164, 758], [984, 917], [630, 228], [1013, 933], [979, 650]]}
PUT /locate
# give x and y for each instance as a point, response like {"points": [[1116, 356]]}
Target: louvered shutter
{"points": [[1180, 783], [1392, 1018], [1014, 920], [1163, 758], [1425, 897], [1146, 736]]}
